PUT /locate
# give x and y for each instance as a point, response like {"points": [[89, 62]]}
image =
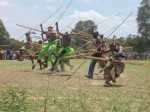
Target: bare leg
{"points": [[40, 64], [67, 62], [62, 66], [108, 76]]}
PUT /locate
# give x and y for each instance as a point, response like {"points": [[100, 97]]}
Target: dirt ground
{"points": [[20, 74], [130, 94]]}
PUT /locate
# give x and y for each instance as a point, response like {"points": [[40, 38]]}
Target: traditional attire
{"points": [[29, 49], [65, 49], [48, 50], [114, 69]]}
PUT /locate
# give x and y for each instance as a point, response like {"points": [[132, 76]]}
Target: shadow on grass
{"points": [[114, 86]]}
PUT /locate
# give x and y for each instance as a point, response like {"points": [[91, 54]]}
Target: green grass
{"points": [[79, 94]]}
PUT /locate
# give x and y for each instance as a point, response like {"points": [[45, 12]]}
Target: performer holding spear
{"points": [[65, 49], [49, 46]]}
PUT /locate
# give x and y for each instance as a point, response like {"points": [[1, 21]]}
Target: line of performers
{"points": [[55, 46], [111, 55]]}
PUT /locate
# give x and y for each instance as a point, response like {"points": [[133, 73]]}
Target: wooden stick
{"points": [[30, 28]]}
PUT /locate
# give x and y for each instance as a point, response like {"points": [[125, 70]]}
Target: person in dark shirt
{"points": [[66, 40], [100, 48], [9, 54]]}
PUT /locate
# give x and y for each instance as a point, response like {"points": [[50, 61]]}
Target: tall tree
{"points": [[4, 35], [85, 28], [143, 19], [6, 40]]}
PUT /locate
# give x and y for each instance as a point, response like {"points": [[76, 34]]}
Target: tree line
{"points": [[6, 42]]}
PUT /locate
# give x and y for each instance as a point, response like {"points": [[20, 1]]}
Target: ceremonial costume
{"points": [[65, 49], [115, 67], [49, 49]]}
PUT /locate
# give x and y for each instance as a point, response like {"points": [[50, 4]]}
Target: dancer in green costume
{"points": [[65, 49], [48, 49]]}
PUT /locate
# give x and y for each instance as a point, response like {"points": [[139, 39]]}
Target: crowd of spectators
{"points": [[8, 54]]}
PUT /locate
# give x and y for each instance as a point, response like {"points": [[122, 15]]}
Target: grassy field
{"points": [[78, 94]]}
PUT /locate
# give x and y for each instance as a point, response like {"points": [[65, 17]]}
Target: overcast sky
{"points": [[107, 13]]}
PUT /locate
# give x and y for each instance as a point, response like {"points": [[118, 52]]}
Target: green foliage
{"points": [[15, 44], [142, 45], [139, 44], [4, 35], [136, 43], [13, 100], [5, 40], [143, 18], [85, 28], [3, 32]]}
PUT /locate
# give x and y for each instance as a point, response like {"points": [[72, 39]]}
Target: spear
{"points": [[118, 26], [27, 27], [34, 29]]}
